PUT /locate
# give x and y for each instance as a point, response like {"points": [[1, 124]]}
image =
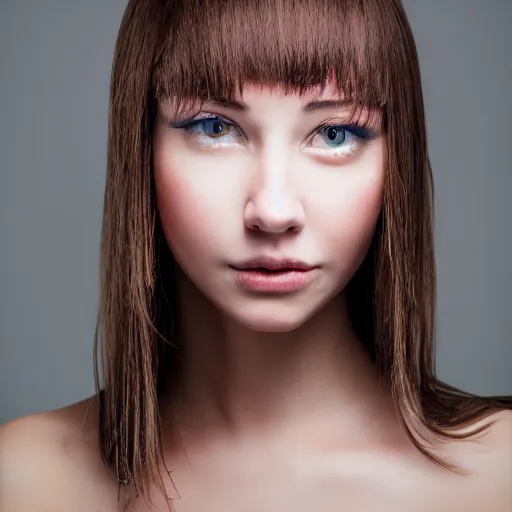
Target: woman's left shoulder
{"points": [[486, 464], [497, 445], [489, 459]]}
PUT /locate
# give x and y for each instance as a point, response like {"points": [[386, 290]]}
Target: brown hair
{"points": [[206, 49]]}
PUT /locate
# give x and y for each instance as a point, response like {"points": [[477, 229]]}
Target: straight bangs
{"points": [[213, 48]]}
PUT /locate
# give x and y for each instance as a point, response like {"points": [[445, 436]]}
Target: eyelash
{"points": [[360, 133]]}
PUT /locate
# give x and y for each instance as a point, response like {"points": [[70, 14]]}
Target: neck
{"points": [[237, 383]]}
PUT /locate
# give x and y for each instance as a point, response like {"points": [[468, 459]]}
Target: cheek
{"points": [[360, 205], [183, 213], [172, 203], [348, 214]]}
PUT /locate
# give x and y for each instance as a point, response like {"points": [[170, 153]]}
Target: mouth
{"points": [[274, 265], [272, 275]]}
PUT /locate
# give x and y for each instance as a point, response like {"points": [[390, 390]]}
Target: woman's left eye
{"points": [[339, 139]]}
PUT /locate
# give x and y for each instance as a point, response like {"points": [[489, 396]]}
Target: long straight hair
{"points": [[200, 49]]}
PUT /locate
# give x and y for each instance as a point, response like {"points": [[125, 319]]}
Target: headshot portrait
{"points": [[255, 256]]}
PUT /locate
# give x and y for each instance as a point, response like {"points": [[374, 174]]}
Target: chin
{"points": [[272, 317]]}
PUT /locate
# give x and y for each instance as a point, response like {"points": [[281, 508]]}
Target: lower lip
{"points": [[273, 282]]}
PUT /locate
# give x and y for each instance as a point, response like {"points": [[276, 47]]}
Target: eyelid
{"points": [[203, 117], [360, 129]]}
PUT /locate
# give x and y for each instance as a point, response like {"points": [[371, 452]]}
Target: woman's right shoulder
{"points": [[50, 460]]}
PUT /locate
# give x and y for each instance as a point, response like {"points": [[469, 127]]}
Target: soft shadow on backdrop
{"points": [[55, 63]]}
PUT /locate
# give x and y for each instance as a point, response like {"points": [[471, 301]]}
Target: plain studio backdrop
{"points": [[55, 62]]}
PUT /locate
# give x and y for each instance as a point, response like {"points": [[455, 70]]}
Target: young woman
{"points": [[268, 281]]}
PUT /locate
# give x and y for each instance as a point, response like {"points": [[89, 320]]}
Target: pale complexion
{"points": [[259, 365], [279, 408]]}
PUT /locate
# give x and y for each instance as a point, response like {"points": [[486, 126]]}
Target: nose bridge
{"points": [[273, 180], [274, 204]]}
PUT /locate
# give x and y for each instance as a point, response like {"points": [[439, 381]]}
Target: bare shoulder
{"points": [[497, 447], [50, 460], [493, 448], [488, 459]]}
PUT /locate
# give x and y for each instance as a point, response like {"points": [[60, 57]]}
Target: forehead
{"points": [[297, 43], [328, 91], [256, 94]]}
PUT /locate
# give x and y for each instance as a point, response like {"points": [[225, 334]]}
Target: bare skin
{"points": [[278, 406], [50, 462]]}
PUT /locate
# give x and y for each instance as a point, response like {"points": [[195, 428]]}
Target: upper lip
{"points": [[270, 263]]}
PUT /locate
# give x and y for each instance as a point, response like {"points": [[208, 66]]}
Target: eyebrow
{"points": [[308, 107]]}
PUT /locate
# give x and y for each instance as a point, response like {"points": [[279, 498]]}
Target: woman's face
{"points": [[280, 182]]}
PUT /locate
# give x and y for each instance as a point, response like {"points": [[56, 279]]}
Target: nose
{"points": [[272, 205]]}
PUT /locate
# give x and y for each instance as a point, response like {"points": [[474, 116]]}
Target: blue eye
{"points": [[211, 131], [213, 127], [336, 135]]}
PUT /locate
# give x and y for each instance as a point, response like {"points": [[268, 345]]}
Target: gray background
{"points": [[55, 61]]}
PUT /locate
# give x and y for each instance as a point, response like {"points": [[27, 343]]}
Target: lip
{"points": [[270, 263], [272, 275]]}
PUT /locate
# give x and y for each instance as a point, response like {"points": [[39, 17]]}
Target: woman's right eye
{"points": [[211, 127], [210, 131]]}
